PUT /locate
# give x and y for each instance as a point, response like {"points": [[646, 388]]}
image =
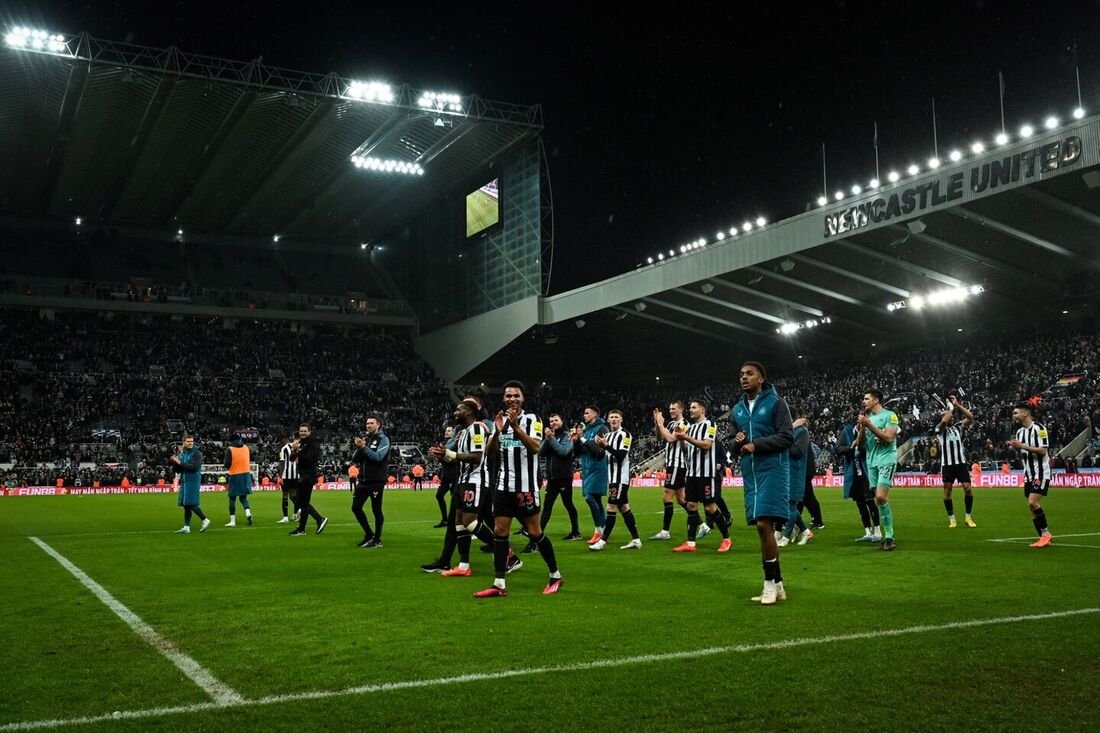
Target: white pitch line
{"points": [[1053, 544], [1056, 537], [555, 669], [221, 693]]}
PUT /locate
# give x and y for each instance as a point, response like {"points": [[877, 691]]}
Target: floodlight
{"points": [[839, 195], [1051, 123], [370, 91], [916, 302], [914, 169], [955, 156], [1001, 139], [1027, 131], [893, 176], [377, 164], [720, 235], [363, 245], [1078, 113], [890, 307], [733, 232], [856, 190], [179, 232], [761, 221], [821, 200], [707, 288], [933, 163], [747, 226], [649, 260], [977, 148], [440, 101], [671, 253], [660, 256], [79, 221], [874, 183]]}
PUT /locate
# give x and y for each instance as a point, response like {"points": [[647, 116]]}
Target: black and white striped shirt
{"points": [[700, 461], [473, 439], [952, 452], [290, 465], [519, 467], [674, 452], [618, 469], [1036, 467]]}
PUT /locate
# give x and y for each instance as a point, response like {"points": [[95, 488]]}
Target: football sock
{"points": [[286, 505], [693, 524], [969, 502], [949, 505], [631, 525], [232, 506], [246, 505], [462, 540], [721, 502], [887, 520], [667, 521], [546, 549], [716, 518], [864, 515], [1039, 518], [187, 516], [500, 557], [198, 513], [771, 571], [610, 525], [872, 508]]}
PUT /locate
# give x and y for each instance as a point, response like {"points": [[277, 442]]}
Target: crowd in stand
{"points": [[99, 397]]}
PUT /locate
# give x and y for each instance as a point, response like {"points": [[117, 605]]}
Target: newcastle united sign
{"points": [[949, 187]]}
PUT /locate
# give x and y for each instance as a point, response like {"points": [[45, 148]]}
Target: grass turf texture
{"points": [[269, 614]]}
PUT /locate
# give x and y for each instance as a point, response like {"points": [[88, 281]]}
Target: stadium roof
{"points": [[1029, 240], [158, 138]]}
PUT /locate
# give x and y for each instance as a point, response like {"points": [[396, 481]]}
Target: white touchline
{"points": [[1032, 537], [532, 671], [220, 692]]}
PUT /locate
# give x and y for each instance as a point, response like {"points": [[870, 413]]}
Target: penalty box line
{"points": [[218, 691], [553, 669]]}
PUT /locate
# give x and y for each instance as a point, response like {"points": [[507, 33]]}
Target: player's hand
{"points": [[658, 416], [359, 442], [296, 444], [437, 451], [748, 448], [175, 459], [1016, 444], [498, 421], [799, 422], [863, 420], [739, 438], [513, 417], [954, 401], [601, 441]]}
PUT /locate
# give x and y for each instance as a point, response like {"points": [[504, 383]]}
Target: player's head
{"points": [[373, 423], [555, 421], [591, 412], [752, 376], [1021, 413], [615, 418], [513, 395], [676, 409], [466, 411], [303, 431], [697, 409], [189, 441], [872, 398], [448, 432]]}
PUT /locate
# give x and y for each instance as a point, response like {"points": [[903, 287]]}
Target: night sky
{"points": [[667, 126]]}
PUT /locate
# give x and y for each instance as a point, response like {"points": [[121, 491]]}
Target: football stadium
{"points": [[286, 448]]}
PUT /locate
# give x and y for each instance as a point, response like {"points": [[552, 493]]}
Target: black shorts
{"points": [[861, 489], [559, 485], [373, 489], [290, 484], [515, 504], [676, 478], [468, 497], [699, 489], [958, 472], [618, 494], [1036, 487]]}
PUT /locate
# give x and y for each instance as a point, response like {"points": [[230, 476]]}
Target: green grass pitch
{"points": [[270, 615], [482, 211]]}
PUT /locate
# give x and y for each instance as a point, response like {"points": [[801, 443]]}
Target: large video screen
{"points": [[483, 208]]}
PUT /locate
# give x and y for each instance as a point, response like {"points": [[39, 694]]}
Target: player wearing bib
{"points": [[878, 431], [1033, 443], [675, 468], [237, 460], [517, 436], [617, 445]]}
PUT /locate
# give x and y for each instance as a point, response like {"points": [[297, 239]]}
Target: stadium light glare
{"points": [[720, 236], [916, 302], [440, 101], [857, 190], [977, 148], [821, 200], [660, 256], [839, 195], [1078, 113], [79, 221], [955, 156], [914, 169], [1027, 131], [893, 176], [1001, 139], [275, 239], [933, 163], [733, 231], [370, 91], [874, 183], [761, 221], [649, 260], [388, 166], [747, 226], [786, 329], [1051, 123], [363, 245], [179, 232], [35, 40], [671, 253]]}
